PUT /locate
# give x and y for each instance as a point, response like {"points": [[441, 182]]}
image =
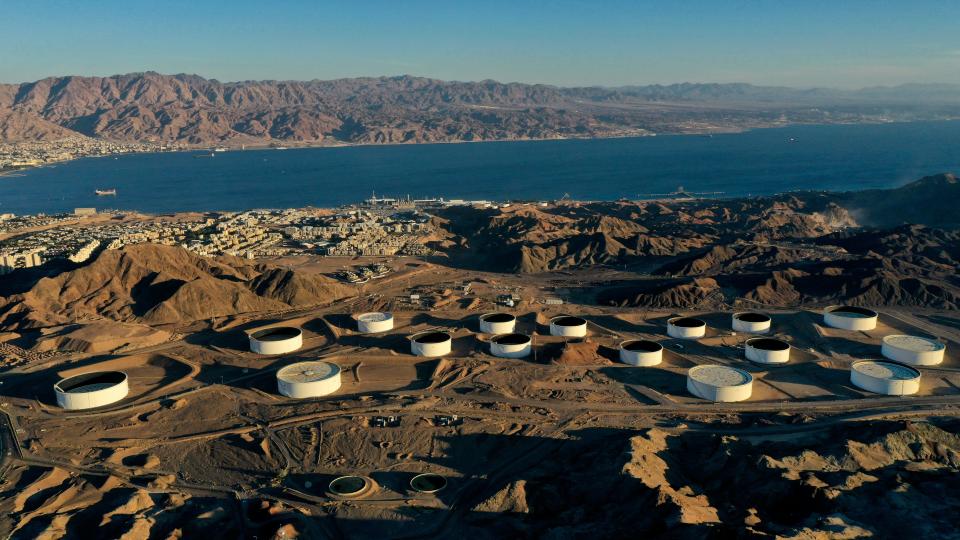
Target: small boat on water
{"points": [[111, 191]]}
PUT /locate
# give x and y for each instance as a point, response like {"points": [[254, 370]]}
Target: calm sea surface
{"points": [[758, 162]]}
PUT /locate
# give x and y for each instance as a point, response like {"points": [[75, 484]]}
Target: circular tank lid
{"points": [[431, 337], [568, 320], [852, 312], [375, 316], [641, 345], [720, 375], [428, 483], [302, 372], [497, 317], [886, 370], [511, 339], [686, 322], [913, 343], [768, 344], [90, 382], [277, 333], [349, 485], [751, 316]]}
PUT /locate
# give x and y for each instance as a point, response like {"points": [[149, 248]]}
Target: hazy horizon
{"points": [[530, 83], [570, 43]]}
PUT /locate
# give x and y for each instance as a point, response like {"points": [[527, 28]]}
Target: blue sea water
{"points": [[765, 161]]}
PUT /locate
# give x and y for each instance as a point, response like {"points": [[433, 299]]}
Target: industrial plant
{"points": [[364, 399]]}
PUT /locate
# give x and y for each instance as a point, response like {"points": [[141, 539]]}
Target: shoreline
{"points": [[56, 192], [301, 146]]}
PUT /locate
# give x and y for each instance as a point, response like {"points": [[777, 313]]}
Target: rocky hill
{"points": [[154, 284], [190, 109], [795, 249]]}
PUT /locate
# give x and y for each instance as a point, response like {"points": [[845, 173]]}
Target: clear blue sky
{"points": [[839, 43]]}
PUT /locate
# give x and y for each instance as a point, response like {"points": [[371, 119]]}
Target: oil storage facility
{"points": [[375, 322], [686, 328], [850, 318], [889, 378], [568, 326], [641, 352], [89, 390], [913, 350], [750, 322], [497, 323], [767, 350], [431, 344], [510, 346], [308, 379], [719, 383], [276, 340]]}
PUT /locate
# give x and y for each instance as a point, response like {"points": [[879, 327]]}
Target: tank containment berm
{"points": [[497, 323], [719, 383], [510, 346], [750, 322], [686, 328], [276, 340], [375, 322], [308, 379], [641, 352], [882, 377], [90, 390], [913, 350], [430, 344], [568, 326], [850, 318], [764, 350]]}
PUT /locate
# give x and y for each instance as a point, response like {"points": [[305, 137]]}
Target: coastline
{"points": [[293, 145], [731, 166]]}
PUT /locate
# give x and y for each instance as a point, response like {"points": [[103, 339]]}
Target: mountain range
{"points": [[189, 109]]}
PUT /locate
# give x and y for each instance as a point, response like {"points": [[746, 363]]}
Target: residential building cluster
{"points": [[21, 155], [365, 232], [33, 240]]}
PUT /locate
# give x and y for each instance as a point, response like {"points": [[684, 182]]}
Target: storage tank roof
{"points": [[375, 317], [719, 375], [913, 343], [303, 372], [851, 312], [886, 370]]}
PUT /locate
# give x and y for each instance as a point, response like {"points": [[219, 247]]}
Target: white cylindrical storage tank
{"points": [[89, 390], [430, 344], [719, 383], [568, 326], [889, 378], [850, 318], [276, 340], [686, 328], [308, 379], [510, 346], [375, 322], [767, 351], [913, 350], [751, 322], [497, 323], [641, 352]]}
